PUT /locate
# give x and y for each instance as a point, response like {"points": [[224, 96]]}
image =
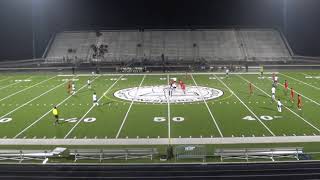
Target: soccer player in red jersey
{"points": [[250, 88], [292, 95], [69, 87], [299, 102], [183, 87], [286, 85]]}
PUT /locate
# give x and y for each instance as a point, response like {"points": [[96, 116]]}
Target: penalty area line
{"points": [[70, 131], [126, 116], [205, 102]]}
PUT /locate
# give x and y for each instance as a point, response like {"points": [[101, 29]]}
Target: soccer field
{"points": [[137, 107]]}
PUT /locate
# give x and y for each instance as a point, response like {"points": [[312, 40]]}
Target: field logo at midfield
{"points": [[160, 94]]}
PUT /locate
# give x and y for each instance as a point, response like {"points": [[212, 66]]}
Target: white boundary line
{"points": [[303, 95], [13, 83], [161, 74], [169, 112], [39, 119], [126, 116], [163, 141], [300, 81], [245, 106], [32, 100], [26, 88], [283, 105], [110, 87], [5, 78], [205, 102]]}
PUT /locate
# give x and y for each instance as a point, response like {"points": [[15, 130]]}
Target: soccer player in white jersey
{"points": [[89, 83], [95, 99], [73, 87], [276, 80], [273, 92], [279, 106], [227, 72]]}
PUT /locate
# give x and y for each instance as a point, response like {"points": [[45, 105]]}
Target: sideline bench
{"points": [[22, 155], [105, 154], [260, 153]]}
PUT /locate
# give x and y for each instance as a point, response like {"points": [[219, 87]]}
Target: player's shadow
{"points": [[263, 95], [104, 104], [268, 108]]}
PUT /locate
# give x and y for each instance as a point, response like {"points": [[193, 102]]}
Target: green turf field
{"points": [[26, 102]]}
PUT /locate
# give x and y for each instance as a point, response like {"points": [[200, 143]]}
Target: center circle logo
{"points": [[162, 94]]}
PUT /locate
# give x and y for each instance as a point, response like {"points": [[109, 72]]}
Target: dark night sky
{"points": [[51, 16]]}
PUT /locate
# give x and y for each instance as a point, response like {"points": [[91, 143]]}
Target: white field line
{"points": [[310, 75], [163, 141], [169, 113], [245, 106], [300, 81], [13, 83], [32, 100], [161, 74], [126, 116], [205, 102], [303, 96], [91, 108], [283, 105], [40, 118], [26, 88], [5, 79]]}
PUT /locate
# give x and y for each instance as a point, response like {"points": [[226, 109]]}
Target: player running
{"points": [[250, 88], [55, 113], [95, 99], [273, 92], [261, 71], [69, 87], [286, 85], [73, 87], [276, 80], [89, 84], [299, 102], [227, 72], [279, 106], [292, 95]]}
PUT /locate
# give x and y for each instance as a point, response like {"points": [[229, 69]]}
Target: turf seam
{"points": [[15, 93], [32, 100], [71, 130], [283, 105], [39, 119], [206, 104], [128, 111], [246, 106], [303, 96]]}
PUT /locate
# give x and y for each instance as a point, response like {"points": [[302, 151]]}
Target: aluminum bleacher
{"points": [[265, 43], [174, 45]]}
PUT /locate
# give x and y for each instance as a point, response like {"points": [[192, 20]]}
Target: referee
{"points": [[56, 115]]}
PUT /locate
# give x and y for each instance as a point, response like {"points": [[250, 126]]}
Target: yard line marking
{"points": [[169, 114], [302, 95], [91, 108], [246, 106], [32, 100], [283, 105], [39, 119], [205, 102], [126, 116], [13, 83], [26, 88], [300, 81], [5, 78]]}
